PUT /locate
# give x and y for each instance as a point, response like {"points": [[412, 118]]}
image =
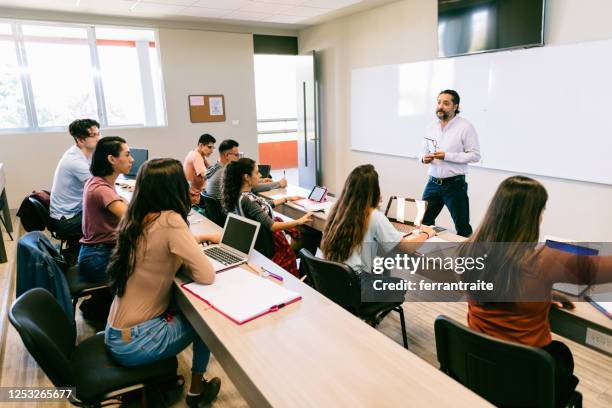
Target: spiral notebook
{"points": [[242, 296]]}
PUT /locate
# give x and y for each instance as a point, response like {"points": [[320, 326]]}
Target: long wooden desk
{"points": [[314, 353]]}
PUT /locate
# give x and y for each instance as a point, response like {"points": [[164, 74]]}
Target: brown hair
{"points": [[348, 221], [509, 233]]}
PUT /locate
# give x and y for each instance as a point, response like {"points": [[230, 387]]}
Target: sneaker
{"points": [[210, 391]]}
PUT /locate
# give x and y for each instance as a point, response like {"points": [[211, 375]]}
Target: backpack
{"points": [[31, 219]]}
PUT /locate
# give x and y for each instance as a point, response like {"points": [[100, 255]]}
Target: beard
{"points": [[444, 115]]}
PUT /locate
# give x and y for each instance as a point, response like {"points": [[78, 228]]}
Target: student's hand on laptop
{"points": [[304, 218], [282, 183], [294, 198]]}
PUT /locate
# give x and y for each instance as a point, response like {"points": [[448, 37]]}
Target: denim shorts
{"points": [[156, 339]]}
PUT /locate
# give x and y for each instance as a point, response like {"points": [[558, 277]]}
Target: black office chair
{"points": [[50, 338], [506, 374], [213, 210], [342, 285], [43, 213], [80, 288]]}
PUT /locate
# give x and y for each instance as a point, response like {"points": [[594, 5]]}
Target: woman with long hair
{"points": [[154, 243], [355, 227], [239, 179], [523, 274]]}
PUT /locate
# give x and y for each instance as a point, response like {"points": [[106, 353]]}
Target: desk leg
{"points": [[3, 257], [6, 214]]}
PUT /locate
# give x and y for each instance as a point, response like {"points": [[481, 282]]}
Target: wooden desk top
{"points": [[314, 353]]}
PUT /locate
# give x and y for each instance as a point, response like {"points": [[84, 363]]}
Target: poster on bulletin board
{"points": [[206, 108]]}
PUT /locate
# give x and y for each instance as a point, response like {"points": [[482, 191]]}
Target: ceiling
{"points": [[273, 13]]}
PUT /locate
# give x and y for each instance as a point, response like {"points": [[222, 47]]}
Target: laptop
{"points": [[405, 213], [316, 200], [237, 241], [264, 170], [140, 156], [566, 245]]}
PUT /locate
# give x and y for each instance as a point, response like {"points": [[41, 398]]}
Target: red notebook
{"points": [[242, 296]]}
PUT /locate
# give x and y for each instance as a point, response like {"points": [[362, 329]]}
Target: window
{"points": [[76, 71], [12, 104]]}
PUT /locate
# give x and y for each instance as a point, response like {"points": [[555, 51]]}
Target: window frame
{"points": [[147, 79]]}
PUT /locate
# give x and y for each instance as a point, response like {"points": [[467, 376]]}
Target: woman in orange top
{"points": [[523, 273]]}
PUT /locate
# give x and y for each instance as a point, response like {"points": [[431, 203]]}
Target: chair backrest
{"points": [[213, 209], [504, 373], [335, 280], [46, 333], [41, 210]]}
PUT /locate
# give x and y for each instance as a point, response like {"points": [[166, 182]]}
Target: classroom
{"points": [[235, 203]]}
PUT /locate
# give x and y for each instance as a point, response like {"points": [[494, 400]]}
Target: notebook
{"points": [[242, 296]]}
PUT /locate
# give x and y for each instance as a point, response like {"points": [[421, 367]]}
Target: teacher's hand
{"points": [[428, 158], [439, 155]]}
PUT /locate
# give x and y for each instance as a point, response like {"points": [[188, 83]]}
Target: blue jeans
{"points": [[93, 260], [155, 340], [453, 194]]}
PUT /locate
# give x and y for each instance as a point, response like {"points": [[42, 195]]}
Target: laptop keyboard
{"points": [[219, 255], [403, 227]]}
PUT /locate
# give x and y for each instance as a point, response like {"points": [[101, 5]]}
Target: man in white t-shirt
{"points": [[71, 174]]}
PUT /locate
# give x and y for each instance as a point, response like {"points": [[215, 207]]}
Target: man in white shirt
{"points": [[451, 146], [69, 180]]}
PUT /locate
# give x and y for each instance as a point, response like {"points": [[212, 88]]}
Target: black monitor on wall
{"points": [[473, 26]]}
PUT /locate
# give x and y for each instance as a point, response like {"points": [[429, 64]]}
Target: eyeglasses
{"points": [[431, 144]]}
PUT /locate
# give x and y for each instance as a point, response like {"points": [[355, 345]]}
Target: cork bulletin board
{"points": [[206, 108]]}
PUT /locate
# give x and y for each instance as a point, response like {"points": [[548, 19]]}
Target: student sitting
{"points": [[195, 165], [229, 152], [355, 228], [102, 210], [153, 243], [70, 176], [523, 274], [102, 207], [239, 179]]}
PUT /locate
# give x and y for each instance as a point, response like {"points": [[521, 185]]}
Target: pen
{"points": [[284, 174], [272, 274]]}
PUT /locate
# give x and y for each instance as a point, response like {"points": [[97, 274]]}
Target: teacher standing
{"points": [[452, 144]]}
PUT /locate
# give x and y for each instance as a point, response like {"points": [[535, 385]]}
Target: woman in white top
{"points": [[355, 228]]}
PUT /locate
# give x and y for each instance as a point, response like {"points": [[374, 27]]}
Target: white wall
{"points": [[193, 62], [406, 31]]}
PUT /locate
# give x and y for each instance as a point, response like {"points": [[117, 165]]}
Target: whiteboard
{"points": [[543, 111]]}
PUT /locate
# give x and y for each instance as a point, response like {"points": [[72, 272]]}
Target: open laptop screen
{"points": [[239, 234], [405, 210], [140, 156]]}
